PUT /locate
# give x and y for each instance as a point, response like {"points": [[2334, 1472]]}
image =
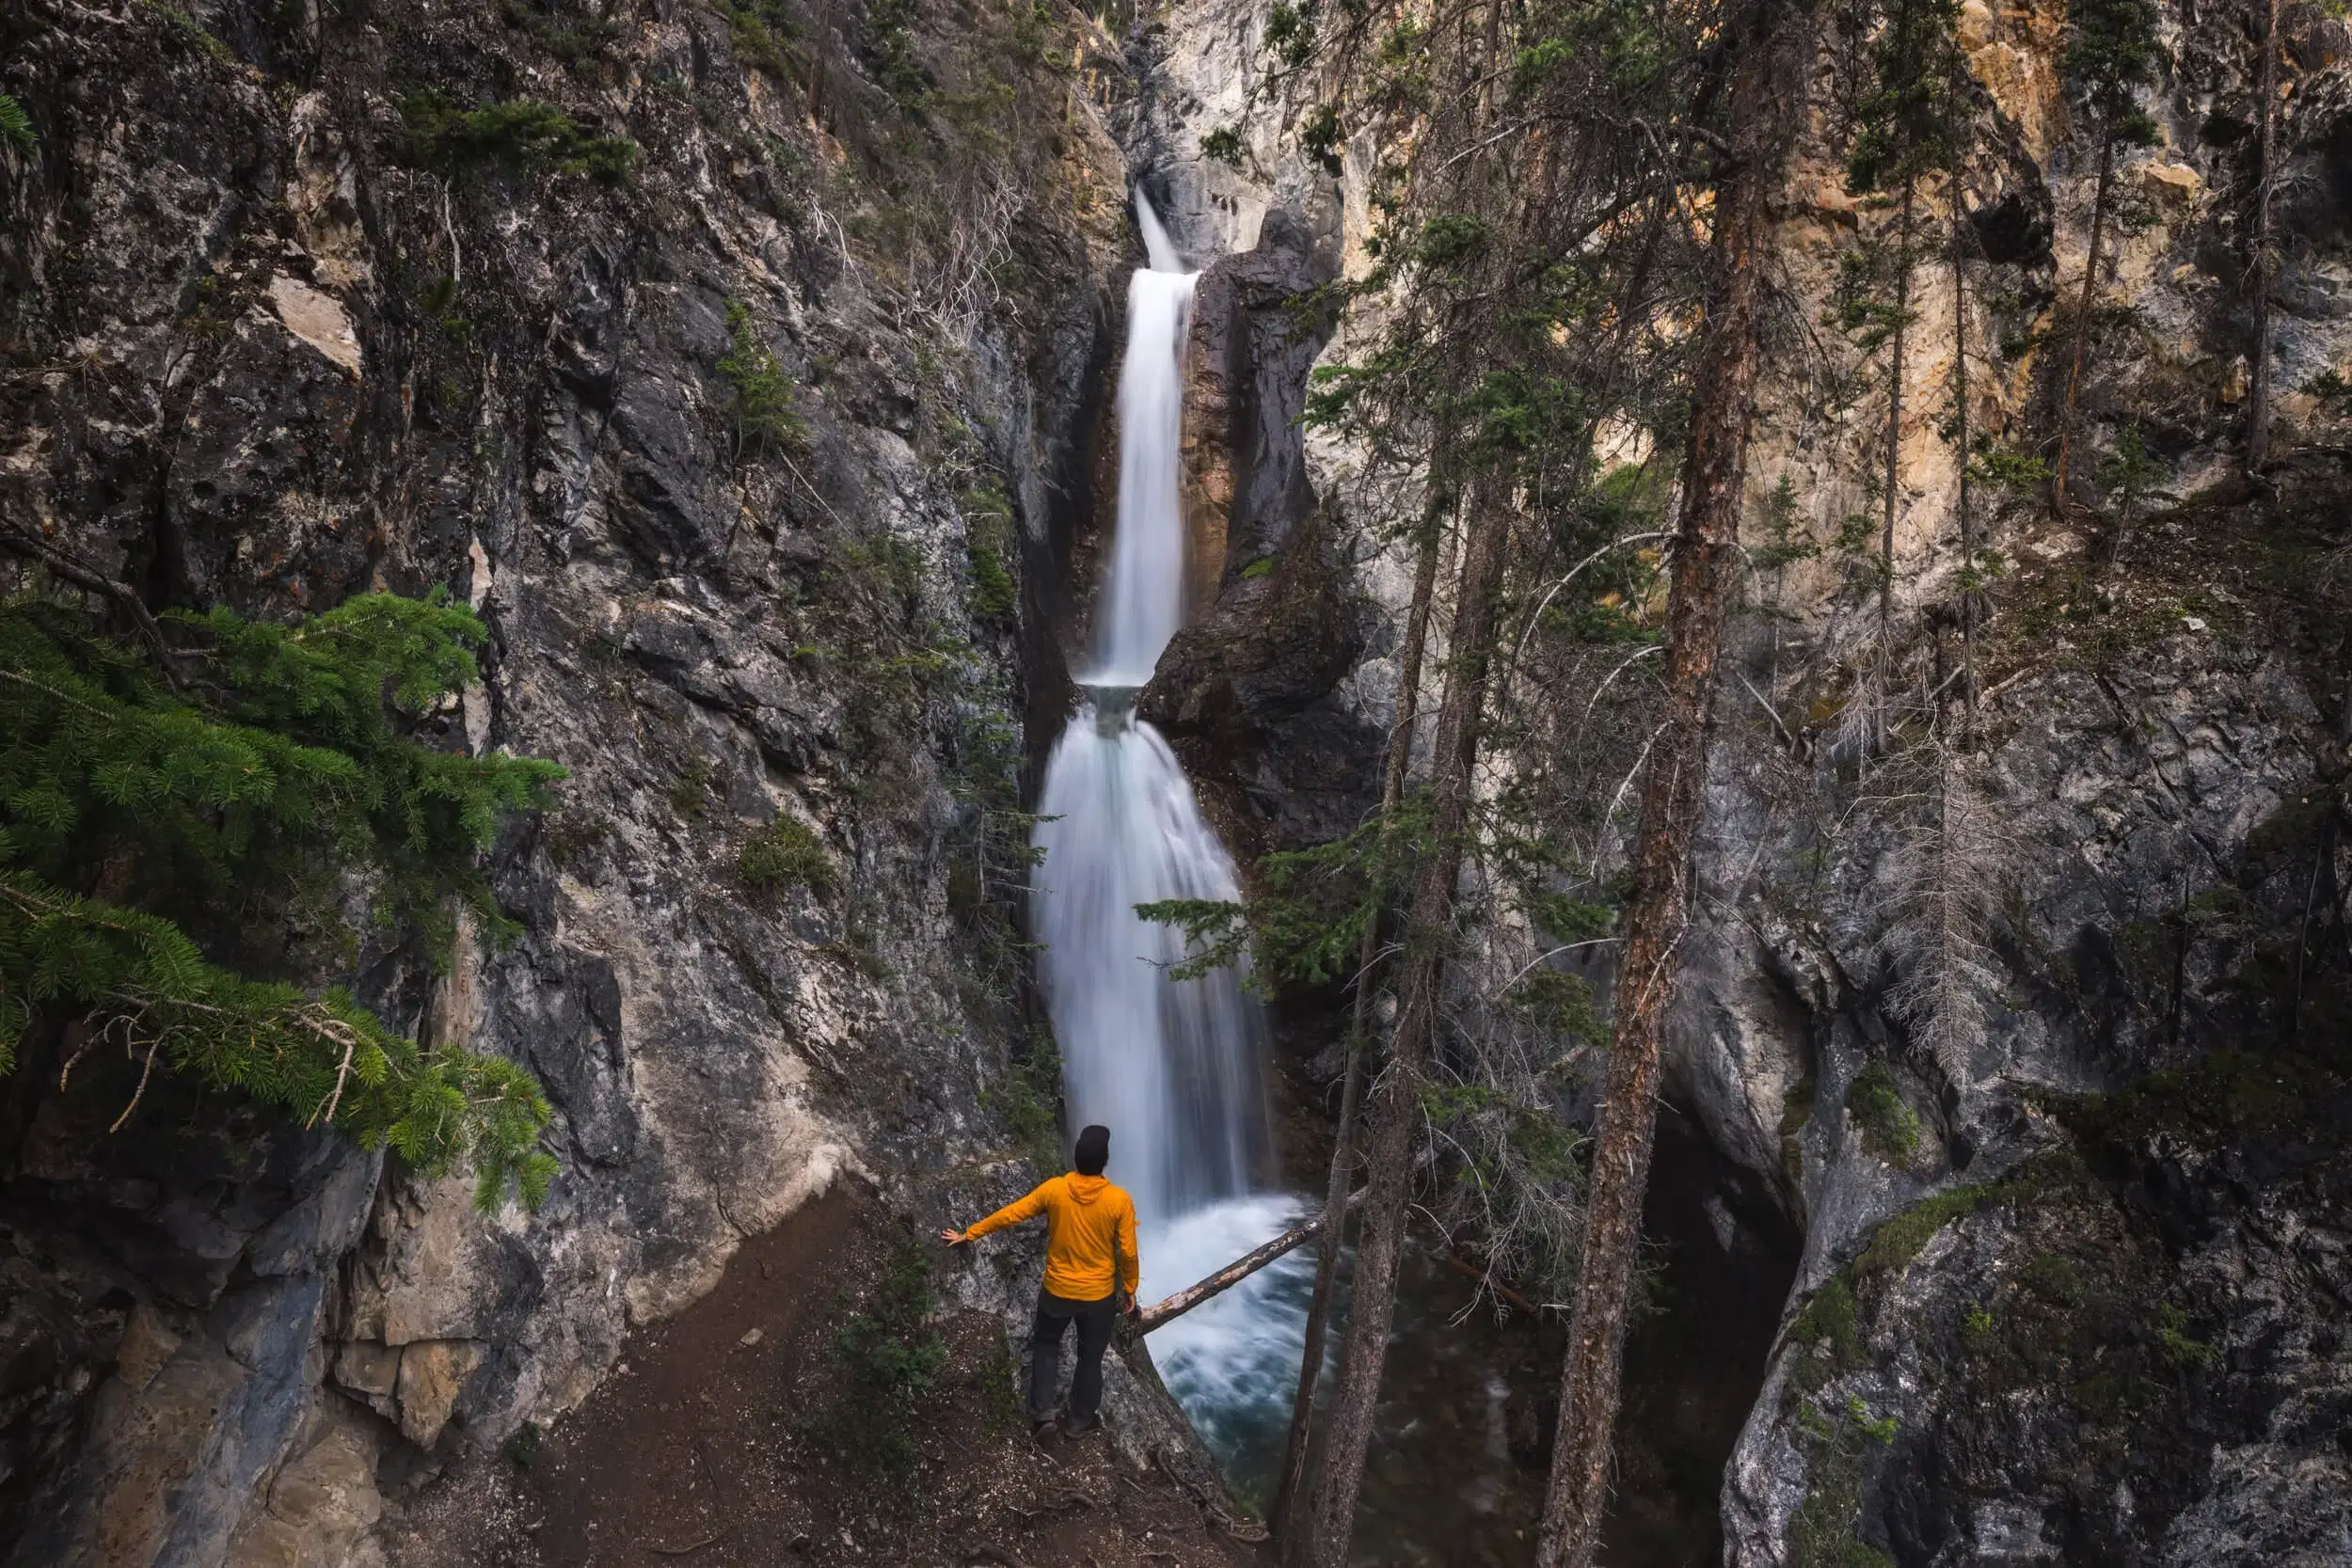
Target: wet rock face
{"points": [[1249, 694], [264, 349]]}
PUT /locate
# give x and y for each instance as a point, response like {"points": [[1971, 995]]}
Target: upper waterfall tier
{"points": [[1143, 592]]}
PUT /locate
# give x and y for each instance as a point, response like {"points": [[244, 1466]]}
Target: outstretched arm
{"points": [[1130, 1259], [1011, 1213]]}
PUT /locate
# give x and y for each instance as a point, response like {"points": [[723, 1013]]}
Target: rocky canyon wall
{"points": [[743, 368], [2086, 1202]]}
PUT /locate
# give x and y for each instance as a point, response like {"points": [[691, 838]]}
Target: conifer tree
{"points": [[1704, 571], [1903, 136], [146, 793], [2111, 52], [1426, 549], [2266, 260]]}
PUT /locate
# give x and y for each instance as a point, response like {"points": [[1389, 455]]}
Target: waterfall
{"points": [[1173, 1067]]}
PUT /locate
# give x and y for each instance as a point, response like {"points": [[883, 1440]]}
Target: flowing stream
{"points": [[1175, 1069]]}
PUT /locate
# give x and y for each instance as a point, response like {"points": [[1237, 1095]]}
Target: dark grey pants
{"points": [[1054, 1314]]}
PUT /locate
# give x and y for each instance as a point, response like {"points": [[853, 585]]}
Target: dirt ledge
{"points": [[709, 1448]]}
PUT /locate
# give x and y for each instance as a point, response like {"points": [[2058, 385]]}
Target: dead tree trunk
{"points": [[1161, 1313], [1396, 1101], [2258, 410], [1706, 563], [1400, 754]]}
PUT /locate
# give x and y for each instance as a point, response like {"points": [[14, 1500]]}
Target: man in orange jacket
{"points": [[1091, 1272]]}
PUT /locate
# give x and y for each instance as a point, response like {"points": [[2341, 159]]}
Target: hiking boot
{"points": [[1041, 1426], [1078, 1426]]}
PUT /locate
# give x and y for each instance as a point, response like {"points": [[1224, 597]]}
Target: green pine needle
{"points": [[271, 771]]}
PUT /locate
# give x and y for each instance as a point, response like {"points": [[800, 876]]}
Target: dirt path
{"points": [[729, 1439]]}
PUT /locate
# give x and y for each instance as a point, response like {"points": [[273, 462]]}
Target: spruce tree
{"points": [[2111, 52], [2266, 260], [1903, 134], [1705, 572], [232, 773]]}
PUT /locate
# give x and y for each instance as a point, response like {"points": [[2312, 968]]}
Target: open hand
{"points": [[954, 1238]]}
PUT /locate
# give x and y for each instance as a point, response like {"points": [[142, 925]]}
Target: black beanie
{"points": [[1094, 1151]]}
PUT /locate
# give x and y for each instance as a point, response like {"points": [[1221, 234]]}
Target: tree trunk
{"points": [[2082, 317], [1201, 1291], [1706, 563], [1396, 1101], [1894, 453], [1960, 83], [1960, 426], [820, 37], [1360, 1023], [2258, 412]]}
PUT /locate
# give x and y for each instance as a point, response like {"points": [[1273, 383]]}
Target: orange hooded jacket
{"points": [[1090, 1235]]}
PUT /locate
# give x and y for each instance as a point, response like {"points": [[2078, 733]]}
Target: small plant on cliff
{"points": [[234, 779], [759, 391], [1889, 1127], [513, 130], [987, 543], [784, 854], [16, 126]]}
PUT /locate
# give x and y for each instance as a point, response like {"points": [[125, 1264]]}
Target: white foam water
{"points": [[1171, 1067], [1233, 1363], [1143, 594]]}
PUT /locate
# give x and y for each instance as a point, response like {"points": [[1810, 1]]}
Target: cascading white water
{"points": [[1143, 592], [1171, 1067]]}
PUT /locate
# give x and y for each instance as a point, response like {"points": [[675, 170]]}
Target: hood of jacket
{"points": [[1086, 1189]]}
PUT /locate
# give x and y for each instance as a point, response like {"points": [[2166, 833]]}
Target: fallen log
{"points": [[1162, 1313]]}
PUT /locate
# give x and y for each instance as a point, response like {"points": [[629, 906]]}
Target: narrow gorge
{"points": [[647, 646]]}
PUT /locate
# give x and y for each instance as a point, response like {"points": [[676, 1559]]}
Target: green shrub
{"points": [[1224, 145], [515, 130], [890, 1359], [761, 28], [691, 790], [761, 393], [890, 52], [784, 854], [16, 126], [2181, 1350], [2053, 1276], [1889, 1127], [230, 776], [522, 1449], [987, 543], [194, 31], [581, 42], [1828, 1319], [1837, 1444]]}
